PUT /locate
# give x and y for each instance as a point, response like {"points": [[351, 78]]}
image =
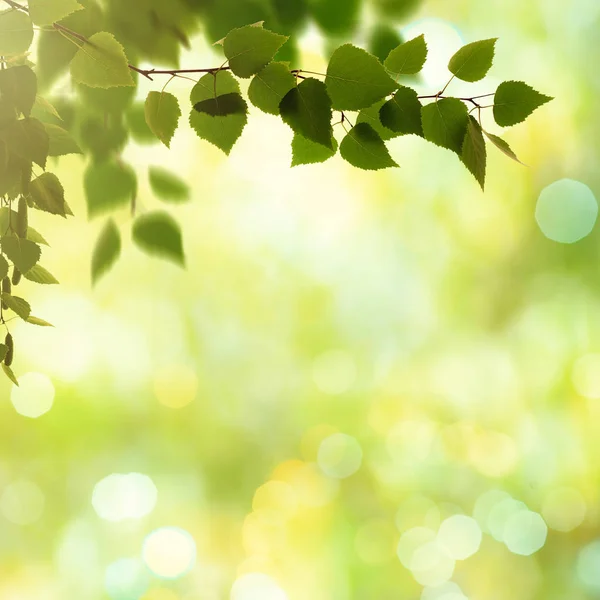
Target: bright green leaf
{"points": [[307, 110], [106, 251], [18, 87], [250, 48], [473, 61], [42, 105], [474, 154], [382, 40], [37, 321], [371, 115], [223, 132], [515, 101], [356, 79], [408, 58], [16, 32], [46, 12], [17, 305], [269, 87], [158, 234], [307, 152], [162, 115], [363, 148], [445, 123], [22, 253], [40, 275], [61, 141], [168, 186], [502, 146], [108, 185], [48, 195], [101, 63], [28, 139], [402, 114], [9, 373]]}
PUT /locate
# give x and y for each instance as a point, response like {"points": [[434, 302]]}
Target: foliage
{"points": [[97, 45]]}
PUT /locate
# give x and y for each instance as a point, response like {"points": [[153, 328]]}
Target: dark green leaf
{"points": [[138, 128], [101, 137], [157, 233], [502, 146], [445, 123], [9, 373], [108, 185], [223, 132], [307, 152], [221, 106], [168, 186], [396, 9], [473, 61], [3, 267], [382, 40], [250, 48], [18, 87], [408, 58], [22, 253], [16, 32], [307, 110], [106, 251], [48, 195], [336, 17], [515, 101], [269, 87], [162, 115], [402, 114], [371, 116], [28, 139], [473, 151], [61, 141], [17, 305], [356, 79], [40, 275], [3, 351], [363, 148]]}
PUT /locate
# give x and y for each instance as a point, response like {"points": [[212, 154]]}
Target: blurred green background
{"points": [[365, 386]]}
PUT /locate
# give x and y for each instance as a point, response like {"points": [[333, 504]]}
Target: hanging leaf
{"points": [[137, 125], [28, 139], [162, 115], [108, 185], [356, 79], [61, 141], [382, 40], [3, 267], [402, 114], [473, 61], [16, 32], [269, 87], [221, 106], [40, 275], [371, 115], [106, 251], [474, 154], [9, 373], [514, 101], [37, 321], [48, 195], [307, 110], [3, 351], [222, 131], [101, 63], [408, 58], [307, 152], [17, 305], [363, 148], [503, 146], [158, 234], [445, 123], [250, 48], [22, 253], [18, 87], [46, 12], [168, 186]]}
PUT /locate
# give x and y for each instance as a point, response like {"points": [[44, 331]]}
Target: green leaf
{"points": [[3, 351], [103, 138], [162, 115], [269, 87], [502, 146], [28, 139], [371, 115], [221, 106], [402, 114], [106, 251], [37, 321], [40, 275], [396, 10], [35, 236], [337, 18], [10, 216], [101, 63], [363, 148], [515, 101], [157, 233], [138, 128], [47, 12], [382, 40], [48, 195], [445, 123], [9, 373], [473, 61], [250, 48], [474, 154], [223, 132], [22, 253], [307, 110], [307, 152], [408, 58], [41, 105], [18, 87], [61, 141], [17, 305], [108, 185], [3, 267], [16, 32], [356, 79], [168, 186]]}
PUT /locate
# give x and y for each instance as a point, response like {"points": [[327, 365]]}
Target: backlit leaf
{"points": [[168, 186], [106, 251], [473, 61], [61, 141], [46, 12], [502, 146], [162, 115], [108, 185], [514, 101], [9, 373], [28, 139], [402, 114], [40, 275], [221, 106], [474, 154], [363, 148], [408, 58], [48, 195], [22, 253], [307, 152], [18, 87], [16, 32], [37, 321], [445, 123], [157, 233], [269, 86]]}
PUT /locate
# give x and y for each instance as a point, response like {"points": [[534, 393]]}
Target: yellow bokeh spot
{"points": [[276, 499], [160, 594], [175, 386], [257, 563], [493, 454], [312, 438], [261, 535]]}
